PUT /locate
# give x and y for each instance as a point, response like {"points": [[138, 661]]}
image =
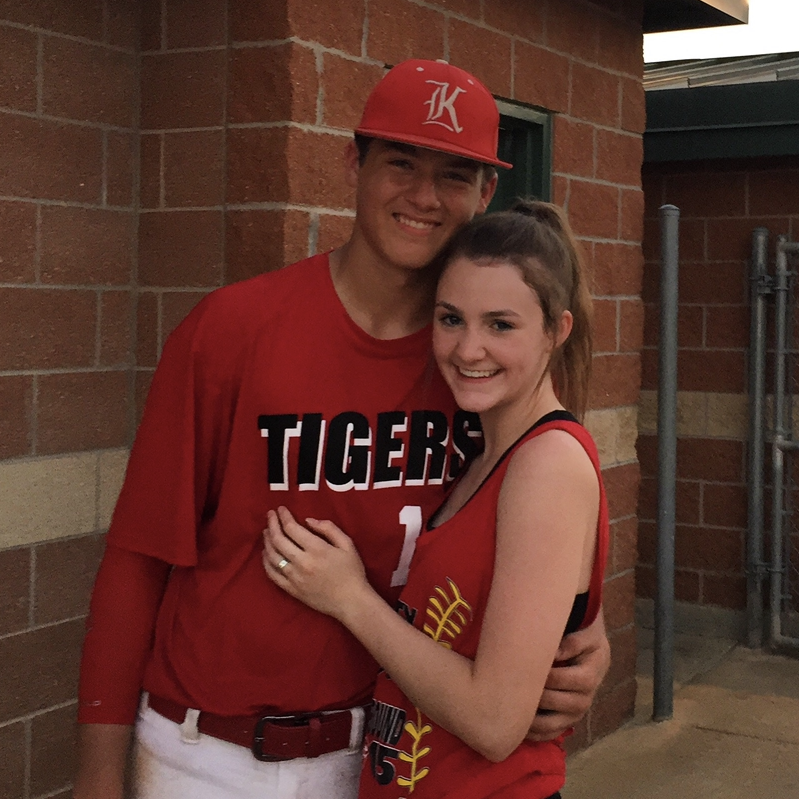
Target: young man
{"points": [[310, 387]]}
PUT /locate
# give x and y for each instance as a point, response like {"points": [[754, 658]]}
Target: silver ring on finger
{"points": [[283, 563]]}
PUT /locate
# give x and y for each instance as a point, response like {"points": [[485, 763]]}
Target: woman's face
{"points": [[489, 337]]}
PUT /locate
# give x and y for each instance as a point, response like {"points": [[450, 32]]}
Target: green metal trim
{"points": [[740, 121]]}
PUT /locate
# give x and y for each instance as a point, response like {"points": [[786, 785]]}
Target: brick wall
{"points": [[68, 89], [721, 203], [237, 112]]}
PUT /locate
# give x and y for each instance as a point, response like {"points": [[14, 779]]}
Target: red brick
{"points": [[690, 325], [611, 710], [651, 242], [346, 85], [621, 46], [324, 185], [710, 459], [46, 329], [257, 165], [147, 312], [560, 190], [624, 545], [724, 195], [50, 161], [151, 170], [729, 239], [573, 147], [83, 19], [618, 269], [123, 23], [645, 581], [175, 307], [258, 21], [39, 669], [16, 401], [619, 157], [182, 90], [541, 77], [706, 548], [466, 8], [15, 566], [649, 368], [652, 184], [594, 209], [615, 380], [686, 585], [618, 601], [518, 17], [621, 485], [195, 23], [711, 370], [774, 193], [647, 499], [724, 590], [180, 248], [631, 325], [594, 95], [86, 245], [119, 162], [334, 231], [272, 84], [724, 505], [65, 572], [144, 377], [90, 83], [184, 183], [572, 28], [647, 541], [633, 105], [13, 743], [18, 242], [82, 411], [398, 31], [646, 447], [714, 284], [151, 25], [116, 309], [18, 69], [728, 326], [53, 757], [623, 657], [256, 241], [631, 227], [483, 53], [605, 325]]}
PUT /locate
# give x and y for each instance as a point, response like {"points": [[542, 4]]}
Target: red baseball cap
{"points": [[435, 105]]}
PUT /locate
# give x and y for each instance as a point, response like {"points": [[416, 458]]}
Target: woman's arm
{"points": [[546, 522]]}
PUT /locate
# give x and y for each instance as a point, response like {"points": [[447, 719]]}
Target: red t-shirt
{"points": [[446, 597], [268, 394]]}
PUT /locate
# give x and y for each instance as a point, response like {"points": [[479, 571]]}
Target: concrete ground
{"points": [[734, 734]]}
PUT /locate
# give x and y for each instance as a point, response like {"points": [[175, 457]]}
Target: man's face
{"points": [[411, 200]]}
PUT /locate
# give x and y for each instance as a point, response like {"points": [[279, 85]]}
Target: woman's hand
{"points": [[320, 565]]}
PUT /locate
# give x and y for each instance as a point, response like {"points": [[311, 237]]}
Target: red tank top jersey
{"points": [[268, 394], [446, 597]]}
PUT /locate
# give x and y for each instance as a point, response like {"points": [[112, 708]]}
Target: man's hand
{"points": [[582, 662], [102, 751]]}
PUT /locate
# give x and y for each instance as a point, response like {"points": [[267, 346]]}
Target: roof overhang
{"points": [[674, 15], [748, 120]]}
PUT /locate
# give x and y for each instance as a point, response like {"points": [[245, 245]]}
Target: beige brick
{"points": [[113, 463], [692, 413], [727, 415], [648, 412], [628, 434], [47, 498], [604, 427]]}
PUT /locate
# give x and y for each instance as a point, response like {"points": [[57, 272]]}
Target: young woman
{"points": [[515, 554]]}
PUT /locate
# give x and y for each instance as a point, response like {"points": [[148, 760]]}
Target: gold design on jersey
{"points": [[449, 613]]}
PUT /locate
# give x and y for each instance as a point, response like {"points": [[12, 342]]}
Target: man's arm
{"points": [[584, 660], [102, 755]]}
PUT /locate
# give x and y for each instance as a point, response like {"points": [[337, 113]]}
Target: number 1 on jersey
{"points": [[411, 519]]}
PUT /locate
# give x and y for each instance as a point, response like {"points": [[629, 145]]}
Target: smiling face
{"points": [[489, 337], [411, 200]]}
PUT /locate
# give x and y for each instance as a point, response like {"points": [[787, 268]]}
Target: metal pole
{"points": [[755, 566], [663, 701], [777, 454]]}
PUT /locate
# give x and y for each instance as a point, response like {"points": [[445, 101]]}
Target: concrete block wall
{"points": [[721, 203], [189, 145]]}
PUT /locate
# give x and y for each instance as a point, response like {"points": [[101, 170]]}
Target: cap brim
{"points": [[433, 144]]}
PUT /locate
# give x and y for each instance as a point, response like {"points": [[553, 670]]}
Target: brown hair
{"points": [[536, 238]]}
